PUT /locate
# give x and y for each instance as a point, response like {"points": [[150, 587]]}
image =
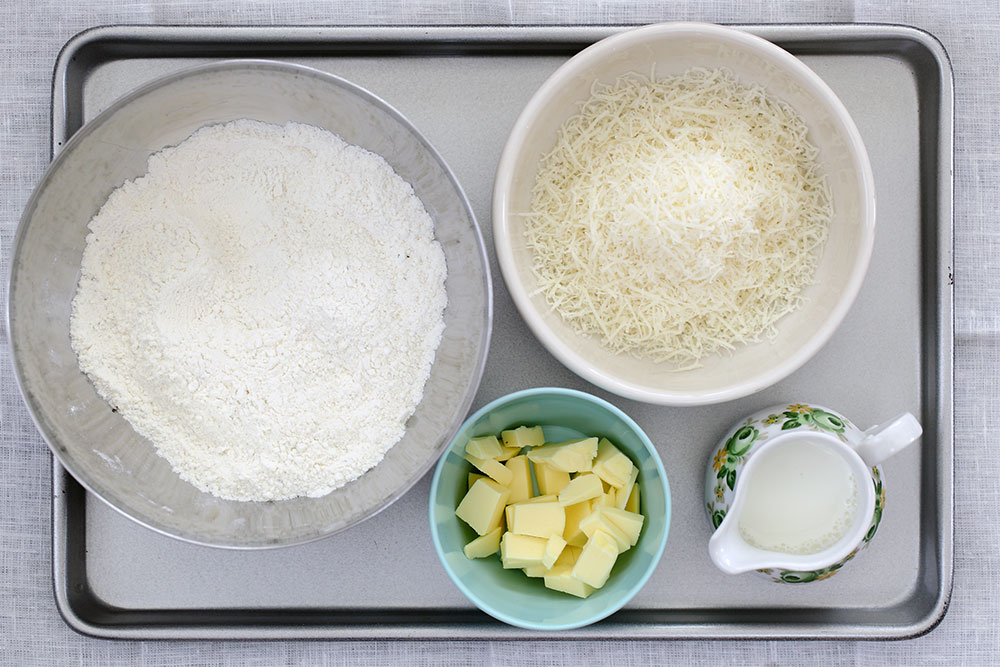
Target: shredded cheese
{"points": [[678, 217]]}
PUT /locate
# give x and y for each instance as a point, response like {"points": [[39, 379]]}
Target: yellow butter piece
{"points": [[553, 548], [598, 521], [483, 505], [569, 456], [551, 498], [536, 571], [549, 479], [593, 567], [484, 447], [520, 551], [508, 453], [560, 578], [632, 504], [523, 436], [520, 485], [582, 487], [611, 465], [496, 470], [537, 519], [622, 494], [629, 523], [473, 476], [574, 514], [484, 545], [606, 499], [570, 554]]}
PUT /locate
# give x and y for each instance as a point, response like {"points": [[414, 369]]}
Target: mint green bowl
{"points": [[509, 595]]}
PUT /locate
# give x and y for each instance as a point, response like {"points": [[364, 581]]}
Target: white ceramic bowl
{"points": [[675, 48]]}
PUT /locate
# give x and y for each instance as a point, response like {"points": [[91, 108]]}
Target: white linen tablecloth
{"points": [[31, 631]]}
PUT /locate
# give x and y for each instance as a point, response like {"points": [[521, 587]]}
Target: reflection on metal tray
{"points": [[463, 87]]}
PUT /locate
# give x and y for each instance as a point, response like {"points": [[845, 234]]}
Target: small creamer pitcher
{"points": [[795, 491]]}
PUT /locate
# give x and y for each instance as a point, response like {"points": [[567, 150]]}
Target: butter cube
{"points": [[507, 454], [521, 551], [551, 498], [523, 436], [574, 514], [561, 579], [569, 456], [553, 549], [520, 485], [549, 479], [596, 560], [606, 499], [483, 505], [484, 545], [566, 559], [473, 476], [580, 488], [484, 447], [612, 465], [496, 470], [598, 521], [622, 494], [536, 570], [632, 504], [537, 519], [629, 523], [570, 554]]}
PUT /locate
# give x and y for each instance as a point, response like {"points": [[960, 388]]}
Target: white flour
{"points": [[264, 305]]}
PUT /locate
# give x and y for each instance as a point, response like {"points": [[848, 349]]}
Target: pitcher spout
{"points": [[732, 554]]}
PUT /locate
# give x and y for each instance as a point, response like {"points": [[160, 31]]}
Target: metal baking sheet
{"points": [[463, 87]]}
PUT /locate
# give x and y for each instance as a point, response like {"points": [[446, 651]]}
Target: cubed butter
{"points": [[508, 453], [612, 465], [553, 548], [574, 514], [632, 504], [550, 498], [523, 436], [622, 494], [569, 456], [560, 578], [484, 447], [569, 555], [596, 560], [483, 505], [606, 499], [580, 488], [628, 522], [484, 545], [549, 479], [473, 476], [496, 470], [520, 551], [520, 485], [598, 521], [537, 519], [536, 571]]}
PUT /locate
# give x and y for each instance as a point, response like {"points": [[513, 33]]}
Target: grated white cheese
{"points": [[678, 217]]}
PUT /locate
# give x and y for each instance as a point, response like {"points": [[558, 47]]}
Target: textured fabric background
{"points": [[31, 631]]}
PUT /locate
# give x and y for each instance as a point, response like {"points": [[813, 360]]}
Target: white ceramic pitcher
{"points": [[735, 457]]}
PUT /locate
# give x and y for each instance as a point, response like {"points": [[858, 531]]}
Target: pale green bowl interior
{"points": [[509, 595]]}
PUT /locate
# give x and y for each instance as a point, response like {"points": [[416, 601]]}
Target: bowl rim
{"points": [[502, 214], [603, 613], [69, 463]]}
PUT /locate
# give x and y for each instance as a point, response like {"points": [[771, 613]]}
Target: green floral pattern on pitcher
{"points": [[727, 462]]}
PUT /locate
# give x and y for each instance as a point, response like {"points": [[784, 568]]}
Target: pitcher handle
{"points": [[885, 440]]}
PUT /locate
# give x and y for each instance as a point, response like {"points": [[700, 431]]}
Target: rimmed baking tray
{"points": [[463, 87]]}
